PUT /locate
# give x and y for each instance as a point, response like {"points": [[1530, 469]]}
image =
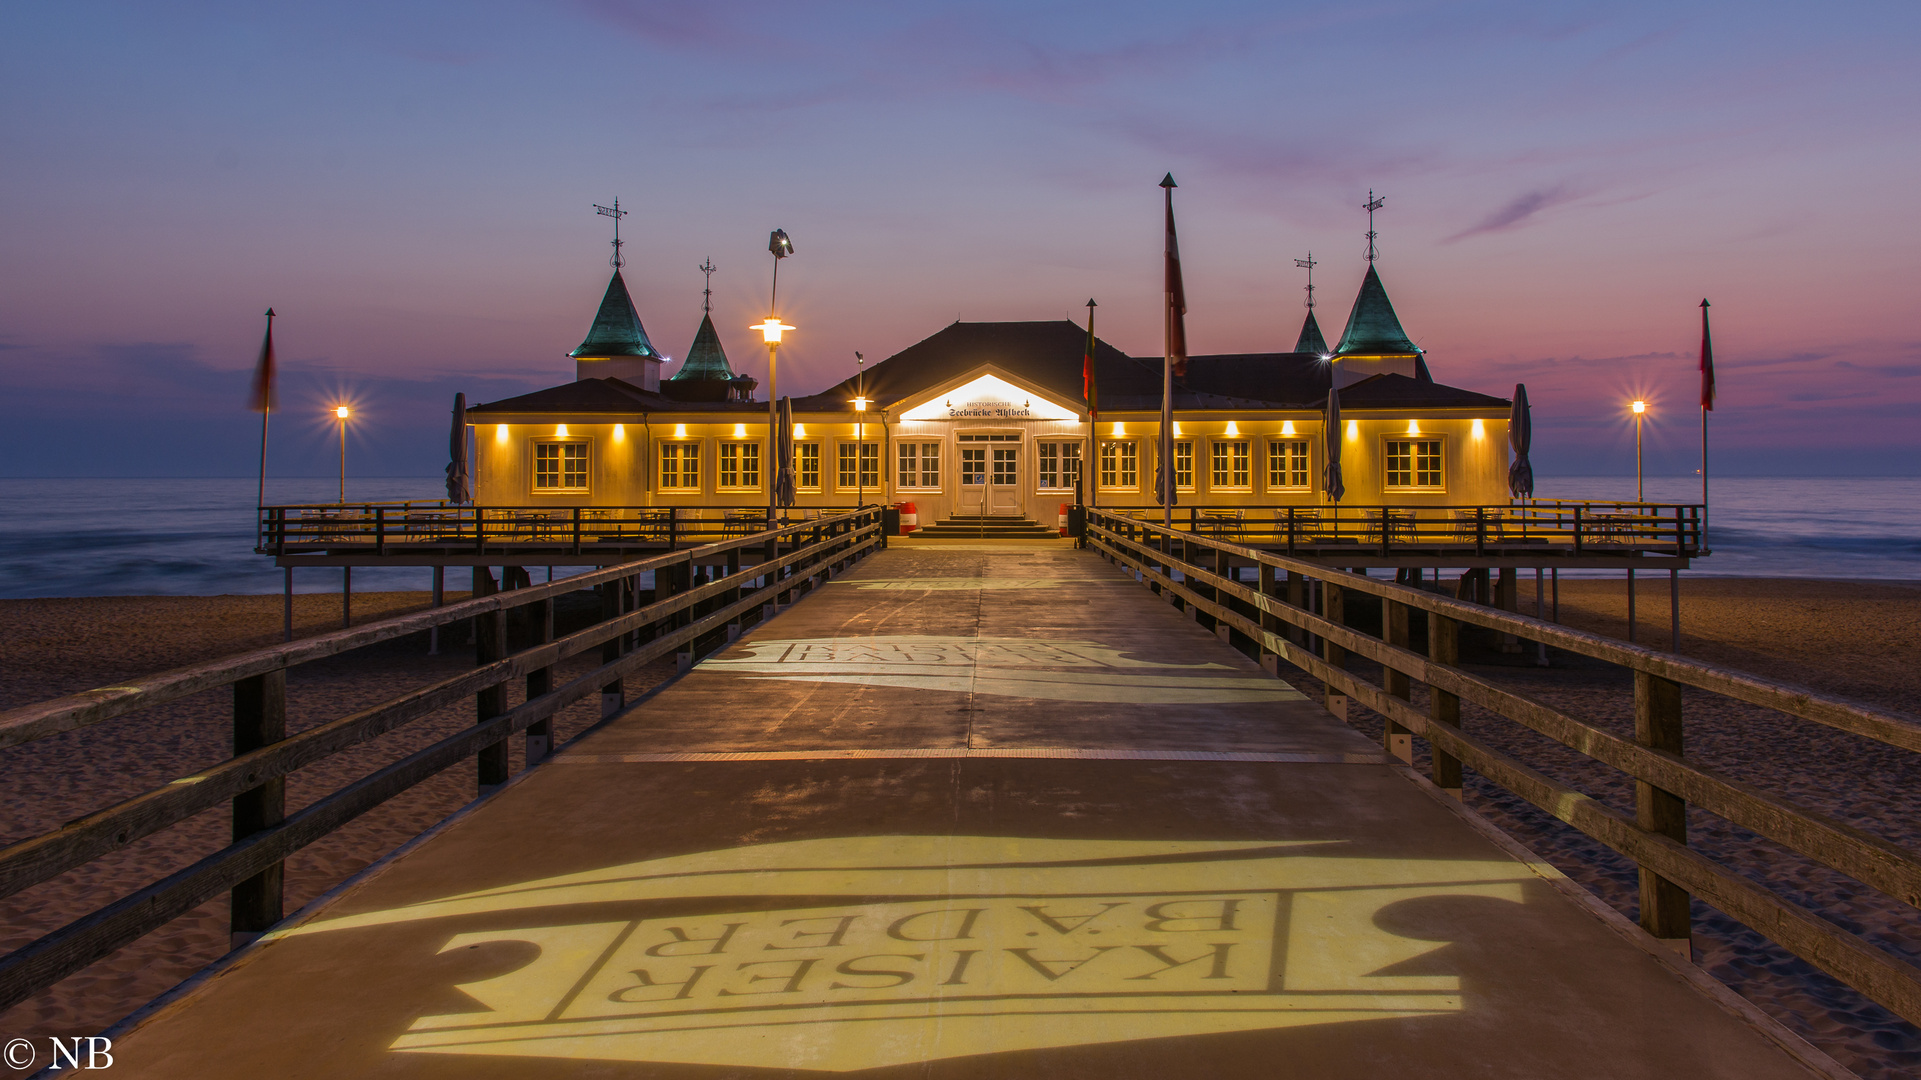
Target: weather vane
{"points": [[1373, 204], [707, 294], [1308, 264], [616, 213]]}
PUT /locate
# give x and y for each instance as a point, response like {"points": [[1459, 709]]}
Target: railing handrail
{"points": [[28, 723], [1832, 710]]}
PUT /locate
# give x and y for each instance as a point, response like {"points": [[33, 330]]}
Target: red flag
{"points": [[264, 397], [1089, 390], [1707, 362], [1176, 295]]}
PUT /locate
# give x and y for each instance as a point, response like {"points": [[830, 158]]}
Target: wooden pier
{"points": [[971, 811]]}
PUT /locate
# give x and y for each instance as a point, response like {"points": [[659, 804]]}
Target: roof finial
{"points": [[1373, 204], [616, 213], [707, 294], [1308, 264]]}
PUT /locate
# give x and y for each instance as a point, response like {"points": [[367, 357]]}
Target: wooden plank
{"points": [[1395, 739], [259, 720], [490, 645], [1444, 649], [1657, 726]]}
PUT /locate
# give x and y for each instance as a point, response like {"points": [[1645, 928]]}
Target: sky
{"points": [[410, 187]]}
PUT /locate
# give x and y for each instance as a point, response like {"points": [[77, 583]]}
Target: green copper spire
{"points": [[616, 330], [1372, 327], [1311, 340], [705, 358]]}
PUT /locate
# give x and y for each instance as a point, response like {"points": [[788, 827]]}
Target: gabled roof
{"points": [[1372, 327], [616, 330], [1402, 392], [705, 358], [1311, 340], [1047, 354]]}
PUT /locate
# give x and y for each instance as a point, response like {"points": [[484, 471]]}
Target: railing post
{"points": [[1680, 534], [490, 644], [1271, 589], [732, 596], [1396, 739], [279, 531], [259, 719], [1480, 530], [1334, 607], [576, 530], [1657, 726], [1290, 534], [1444, 648], [1577, 530], [540, 734], [612, 694], [673, 527], [1296, 599], [380, 530]]}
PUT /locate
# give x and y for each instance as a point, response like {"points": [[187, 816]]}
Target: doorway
{"points": [[990, 475]]}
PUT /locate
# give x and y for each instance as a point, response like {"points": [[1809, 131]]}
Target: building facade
{"points": [[993, 419]]}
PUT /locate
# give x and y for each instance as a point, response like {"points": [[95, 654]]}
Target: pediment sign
{"points": [[989, 393]]}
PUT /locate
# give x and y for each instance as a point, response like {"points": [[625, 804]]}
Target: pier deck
{"points": [[967, 811]]}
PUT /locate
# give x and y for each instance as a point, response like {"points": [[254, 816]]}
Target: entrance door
{"points": [[1004, 486], [973, 481]]}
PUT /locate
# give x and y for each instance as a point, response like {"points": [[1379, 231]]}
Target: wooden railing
{"points": [[1295, 613], [1544, 527], [380, 528], [701, 596]]}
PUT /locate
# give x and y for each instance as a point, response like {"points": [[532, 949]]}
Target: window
{"points": [[680, 466], [739, 465], [809, 454], [1184, 465], [1414, 463], [919, 465], [869, 476], [1060, 465], [1120, 465], [1287, 464], [1232, 468], [560, 466]]}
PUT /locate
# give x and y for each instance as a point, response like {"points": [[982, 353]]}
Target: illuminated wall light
{"points": [[620, 432], [1353, 429], [500, 434], [800, 431], [1232, 429], [740, 431], [1480, 429], [1413, 427], [560, 430], [1287, 427], [1119, 429], [1177, 428], [680, 431]]}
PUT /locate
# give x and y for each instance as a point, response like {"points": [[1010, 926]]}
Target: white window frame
{"points": [[562, 488], [1278, 447], [800, 465], [734, 448], [1127, 465], [1228, 471], [1188, 446], [685, 450], [868, 455], [917, 467], [1440, 464], [1065, 450]]}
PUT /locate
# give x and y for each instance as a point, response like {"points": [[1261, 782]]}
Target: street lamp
{"points": [[341, 412], [860, 431], [1640, 413], [780, 247]]}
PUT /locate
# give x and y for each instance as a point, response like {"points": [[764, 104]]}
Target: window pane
{"points": [[846, 472], [930, 465], [1219, 457], [869, 465], [973, 465], [809, 465], [1184, 464], [1130, 465]]}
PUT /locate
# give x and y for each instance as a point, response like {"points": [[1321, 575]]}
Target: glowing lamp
{"points": [[1639, 407], [1177, 427], [680, 431], [770, 329], [1119, 429], [860, 404], [560, 431], [800, 431], [740, 431], [620, 432], [1232, 428], [500, 434], [341, 411], [1287, 427], [1353, 429], [1413, 427], [1480, 429]]}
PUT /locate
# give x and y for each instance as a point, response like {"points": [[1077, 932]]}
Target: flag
{"points": [[1089, 390], [1176, 295], [263, 397], [1707, 362]]}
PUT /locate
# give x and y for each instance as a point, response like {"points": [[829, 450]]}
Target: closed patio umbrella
{"points": [[1520, 435], [460, 473], [783, 449], [1331, 485]]}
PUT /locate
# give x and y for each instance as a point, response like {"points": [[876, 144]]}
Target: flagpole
{"points": [[263, 392], [1707, 406]]}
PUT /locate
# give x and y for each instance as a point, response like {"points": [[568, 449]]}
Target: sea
{"points": [[194, 537]]}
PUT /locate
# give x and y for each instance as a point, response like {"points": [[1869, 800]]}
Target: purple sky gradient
{"points": [[409, 186]]}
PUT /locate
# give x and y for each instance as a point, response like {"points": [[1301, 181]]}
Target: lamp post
{"points": [[860, 431], [341, 412], [1640, 413], [780, 247]]}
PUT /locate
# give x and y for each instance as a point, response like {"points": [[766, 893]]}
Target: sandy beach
{"points": [[1857, 639]]}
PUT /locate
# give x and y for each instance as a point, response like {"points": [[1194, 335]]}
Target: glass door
{"points": [[973, 480], [1004, 488]]}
